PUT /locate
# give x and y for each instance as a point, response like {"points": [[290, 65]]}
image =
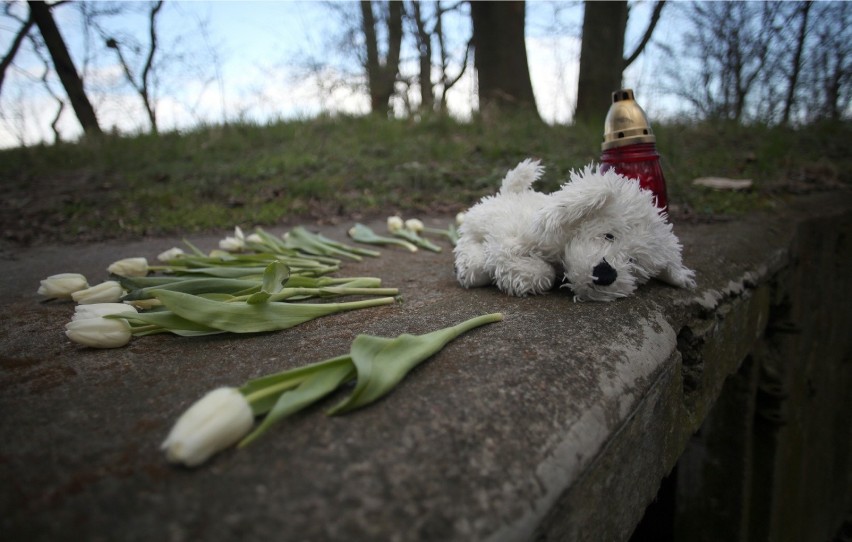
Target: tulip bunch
{"points": [[406, 234], [226, 416], [257, 284], [410, 230]]}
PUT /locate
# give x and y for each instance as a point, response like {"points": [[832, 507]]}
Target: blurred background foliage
{"points": [[763, 92]]}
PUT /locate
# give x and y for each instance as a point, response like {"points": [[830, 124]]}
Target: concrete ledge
{"points": [[558, 424]]}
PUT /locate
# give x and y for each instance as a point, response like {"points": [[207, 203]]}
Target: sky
{"points": [[245, 60]]}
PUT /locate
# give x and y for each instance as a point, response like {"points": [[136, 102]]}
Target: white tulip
{"points": [[395, 223], [129, 267], [97, 310], [459, 219], [61, 286], [234, 244], [105, 292], [171, 254], [98, 332], [415, 225], [216, 421], [255, 238]]}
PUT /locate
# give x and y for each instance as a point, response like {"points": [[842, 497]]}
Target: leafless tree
{"points": [[21, 35], [381, 69], [829, 70], [729, 47], [64, 66], [38, 47], [423, 40], [428, 31], [601, 55], [500, 57], [446, 81], [801, 13], [142, 82], [768, 62], [45, 81]]}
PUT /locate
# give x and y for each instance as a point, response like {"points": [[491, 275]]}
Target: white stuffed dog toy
{"points": [[601, 229]]}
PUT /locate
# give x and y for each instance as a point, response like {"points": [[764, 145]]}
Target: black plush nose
{"points": [[604, 274]]}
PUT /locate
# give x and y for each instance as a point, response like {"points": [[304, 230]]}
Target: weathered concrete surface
{"points": [[557, 424]]}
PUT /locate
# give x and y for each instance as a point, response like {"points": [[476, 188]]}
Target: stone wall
{"points": [[727, 408], [772, 458]]}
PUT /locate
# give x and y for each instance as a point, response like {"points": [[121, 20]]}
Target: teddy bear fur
{"points": [[600, 229]]}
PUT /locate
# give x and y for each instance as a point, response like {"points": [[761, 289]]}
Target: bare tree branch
{"points": [[142, 86], [149, 62], [797, 62], [13, 49], [655, 17]]}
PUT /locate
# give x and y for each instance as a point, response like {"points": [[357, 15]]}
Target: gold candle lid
{"points": [[626, 122]]}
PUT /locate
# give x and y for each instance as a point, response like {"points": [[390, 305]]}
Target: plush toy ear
{"points": [[574, 202]]}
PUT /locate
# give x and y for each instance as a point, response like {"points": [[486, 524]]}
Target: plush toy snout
{"points": [[604, 274]]}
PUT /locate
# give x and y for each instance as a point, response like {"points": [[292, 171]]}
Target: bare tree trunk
{"points": [[381, 76], [601, 55], [601, 58], [797, 62], [40, 13], [500, 56], [424, 49]]}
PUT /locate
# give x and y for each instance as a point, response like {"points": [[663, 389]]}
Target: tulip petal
{"points": [[214, 422]]}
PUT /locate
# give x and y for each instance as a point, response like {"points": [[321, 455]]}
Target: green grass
{"points": [[344, 168]]}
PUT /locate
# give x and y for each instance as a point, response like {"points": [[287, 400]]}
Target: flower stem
{"points": [[476, 322]]}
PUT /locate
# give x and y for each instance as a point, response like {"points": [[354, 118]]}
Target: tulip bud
{"points": [[105, 292], [255, 238], [459, 219], [216, 421], [129, 267], [98, 332], [61, 286], [415, 225], [234, 244], [171, 254], [395, 223], [97, 310]]}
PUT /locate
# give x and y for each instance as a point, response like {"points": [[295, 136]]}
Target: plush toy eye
{"points": [[609, 237]]}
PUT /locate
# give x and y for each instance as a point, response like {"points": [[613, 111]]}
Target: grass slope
{"points": [[343, 169]]}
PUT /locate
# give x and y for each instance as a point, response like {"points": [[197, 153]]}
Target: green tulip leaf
{"points": [[364, 234], [382, 363], [316, 385], [195, 286], [274, 277], [240, 317]]}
